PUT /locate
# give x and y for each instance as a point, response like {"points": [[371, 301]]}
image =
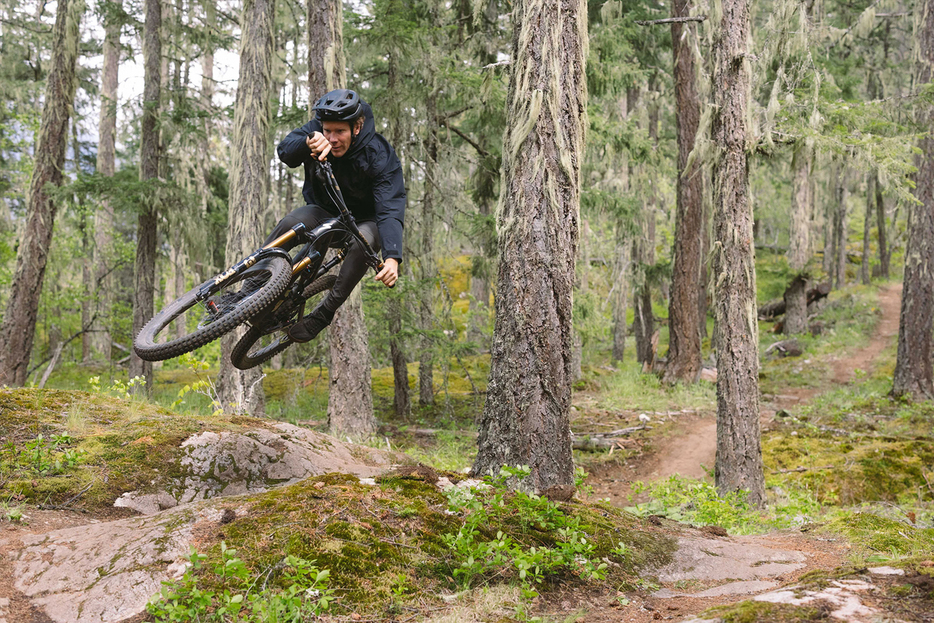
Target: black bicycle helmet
{"points": [[339, 105]]}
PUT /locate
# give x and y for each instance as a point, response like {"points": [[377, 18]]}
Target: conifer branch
{"points": [[671, 20], [466, 138]]}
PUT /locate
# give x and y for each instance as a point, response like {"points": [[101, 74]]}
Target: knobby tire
{"points": [[148, 349]]}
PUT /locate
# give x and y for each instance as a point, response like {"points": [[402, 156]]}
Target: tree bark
{"points": [[684, 345], [350, 400], [207, 99], [739, 453], [799, 249], [106, 158], [865, 273], [148, 171], [838, 255], [525, 420], [914, 376], [325, 48], [241, 391], [881, 231], [643, 249], [621, 294], [19, 323], [402, 401], [426, 385], [796, 307]]}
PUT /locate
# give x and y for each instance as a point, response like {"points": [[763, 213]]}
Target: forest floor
{"points": [[736, 570], [689, 450]]}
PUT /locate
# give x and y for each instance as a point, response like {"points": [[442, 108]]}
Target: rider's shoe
{"points": [[311, 325]]}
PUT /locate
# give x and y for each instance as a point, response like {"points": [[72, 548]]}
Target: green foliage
{"points": [[235, 595], [697, 502], [531, 556], [41, 456], [203, 386]]}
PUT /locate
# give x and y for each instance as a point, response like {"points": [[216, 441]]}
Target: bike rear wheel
{"points": [[232, 303], [261, 343]]}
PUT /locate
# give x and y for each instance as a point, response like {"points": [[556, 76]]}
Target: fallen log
{"points": [[777, 307], [604, 441]]}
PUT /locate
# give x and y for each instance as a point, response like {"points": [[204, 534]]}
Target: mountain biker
{"points": [[370, 177]]}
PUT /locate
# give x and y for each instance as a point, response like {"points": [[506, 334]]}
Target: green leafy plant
{"points": [[118, 388], [239, 596], [550, 541], [203, 386]]}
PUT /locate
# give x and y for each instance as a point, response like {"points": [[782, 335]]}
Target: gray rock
{"points": [[223, 464], [103, 572]]}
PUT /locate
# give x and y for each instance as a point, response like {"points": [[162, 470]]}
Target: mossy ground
{"points": [[385, 544], [116, 445]]}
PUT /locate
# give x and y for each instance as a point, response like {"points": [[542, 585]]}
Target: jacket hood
{"points": [[366, 134]]}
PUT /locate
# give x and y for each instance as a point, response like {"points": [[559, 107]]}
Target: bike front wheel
{"points": [[187, 323], [261, 343]]}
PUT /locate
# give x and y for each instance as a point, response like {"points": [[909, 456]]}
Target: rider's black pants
{"points": [[354, 266]]}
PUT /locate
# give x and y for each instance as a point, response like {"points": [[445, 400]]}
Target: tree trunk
{"points": [[350, 400], [241, 391], [325, 47], [739, 452], [620, 297], [402, 402], [684, 345], [865, 273], [207, 99], [838, 255], [643, 249], [19, 323], [796, 307], [106, 157], [914, 376], [881, 231], [799, 249], [525, 420], [426, 386], [148, 170]]}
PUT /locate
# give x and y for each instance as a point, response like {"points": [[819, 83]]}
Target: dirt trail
{"points": [[690, 449]]}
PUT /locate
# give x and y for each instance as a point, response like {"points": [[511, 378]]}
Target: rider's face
{"points": [[338, 134]]}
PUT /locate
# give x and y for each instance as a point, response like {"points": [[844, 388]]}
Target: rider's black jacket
{"points": [[369, 174]]}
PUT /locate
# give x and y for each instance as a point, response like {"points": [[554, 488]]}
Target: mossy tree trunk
{"points": [[880, 229], [684, 350], [207, 98], [241, 391], [914, 376], [402, 401], [426, 384], [799, 249], [350, 399], [145, 272], [739, 452], [101, 286], [525, 420], [19, 322], [838, 246], [865, 272], [643, 254]]}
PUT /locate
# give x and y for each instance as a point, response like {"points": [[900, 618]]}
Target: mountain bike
{"points": [[269, 289]]}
